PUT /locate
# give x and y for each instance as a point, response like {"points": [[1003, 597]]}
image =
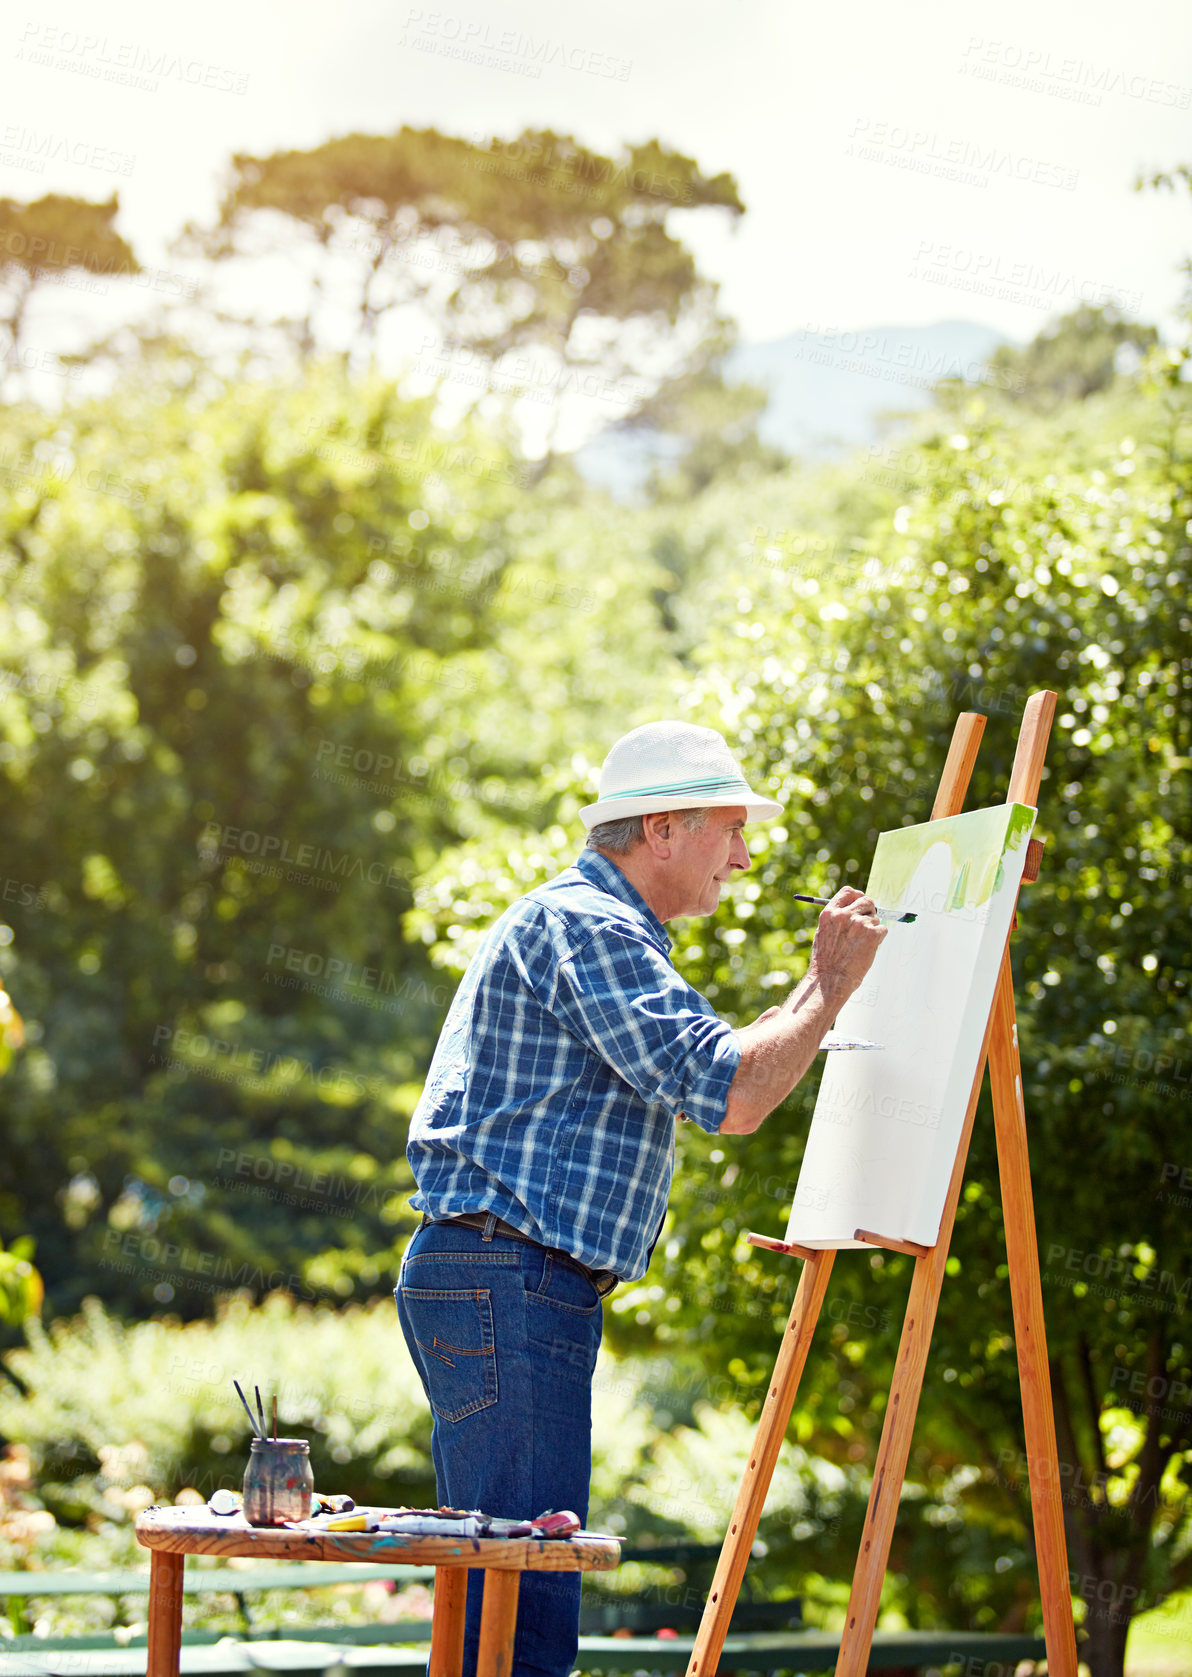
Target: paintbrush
{"points": [[261, 1412], [890, 914], [251, 1420]]}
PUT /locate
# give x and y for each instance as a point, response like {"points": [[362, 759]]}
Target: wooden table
{"points": [[173, 1533]]}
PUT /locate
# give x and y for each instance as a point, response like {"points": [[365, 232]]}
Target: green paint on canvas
{"points": [[977, 842]]}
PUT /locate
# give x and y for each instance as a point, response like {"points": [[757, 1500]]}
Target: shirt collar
{"points": [[605, 874]]}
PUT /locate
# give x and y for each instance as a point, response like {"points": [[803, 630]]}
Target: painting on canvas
{"points": [[887, 1124]]}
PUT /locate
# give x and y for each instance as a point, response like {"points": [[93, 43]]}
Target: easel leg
{"points": [[890, 1468], [905, 1388], [776, 1412], [1022, 1256]]}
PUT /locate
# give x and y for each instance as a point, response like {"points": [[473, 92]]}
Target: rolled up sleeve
{"points": [[621, 996]]}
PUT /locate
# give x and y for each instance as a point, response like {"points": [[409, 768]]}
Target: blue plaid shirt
{"points": [[569, 1050]]}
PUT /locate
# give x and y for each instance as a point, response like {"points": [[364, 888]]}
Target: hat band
{"points": [[682, 788]]}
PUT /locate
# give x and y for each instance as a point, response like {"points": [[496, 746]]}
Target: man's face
{"points": [[701, 862]]}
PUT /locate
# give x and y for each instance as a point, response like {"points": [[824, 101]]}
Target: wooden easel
{"points": [[1001, 1049]]}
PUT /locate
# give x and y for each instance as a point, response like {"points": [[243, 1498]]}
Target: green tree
{"points": [[1072, 358], [42, 243], [280, 663], [225, 659], [537, 259]]}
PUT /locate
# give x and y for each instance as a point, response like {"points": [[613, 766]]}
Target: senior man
{"points": [[543, 1144]]}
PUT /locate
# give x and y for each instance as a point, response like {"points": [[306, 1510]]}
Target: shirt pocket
{"points": [[454, 1331]]}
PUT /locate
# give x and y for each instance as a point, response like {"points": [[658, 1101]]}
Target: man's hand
{"points": [[847, 937]]}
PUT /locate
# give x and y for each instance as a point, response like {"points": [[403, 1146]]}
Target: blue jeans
{"points": [[504, 1336]]}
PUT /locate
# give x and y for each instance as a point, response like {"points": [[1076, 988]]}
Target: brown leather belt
{"points": [[490, 1224]]}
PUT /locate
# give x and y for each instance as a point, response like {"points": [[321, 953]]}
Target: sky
{"points": [[899, 164]]}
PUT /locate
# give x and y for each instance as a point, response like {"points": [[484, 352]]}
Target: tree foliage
{"points": [[218, 739], [255, 679], [1073, 357], [536, 244], [48, 239]]}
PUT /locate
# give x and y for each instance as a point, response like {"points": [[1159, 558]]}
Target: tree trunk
{"points": [[1106, 1620], [1105, 1649]]}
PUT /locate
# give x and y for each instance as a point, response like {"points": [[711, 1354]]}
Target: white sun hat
{"points": [[672, 765]]}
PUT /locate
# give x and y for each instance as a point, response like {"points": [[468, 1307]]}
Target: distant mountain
{"points": [[827, 390]]}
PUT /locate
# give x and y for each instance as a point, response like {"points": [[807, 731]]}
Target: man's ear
{"points": [[657, 828]]}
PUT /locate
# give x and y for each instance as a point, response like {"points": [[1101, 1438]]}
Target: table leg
{"points": [[165, 1613], [498, 1622], [447, 1623]]}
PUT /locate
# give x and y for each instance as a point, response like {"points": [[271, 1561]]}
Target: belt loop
{"points": [[490, 1225]]}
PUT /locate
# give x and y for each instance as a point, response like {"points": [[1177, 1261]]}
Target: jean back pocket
{"points": [[454, 1331]]}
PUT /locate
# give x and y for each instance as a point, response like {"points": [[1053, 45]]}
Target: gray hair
{"points": [[617, 837]]}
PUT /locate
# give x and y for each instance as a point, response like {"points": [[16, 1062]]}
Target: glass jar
{"points": [[278, 1481]]}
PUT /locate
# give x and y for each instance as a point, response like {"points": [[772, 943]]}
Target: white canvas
{"points": [[887, 1123]]}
